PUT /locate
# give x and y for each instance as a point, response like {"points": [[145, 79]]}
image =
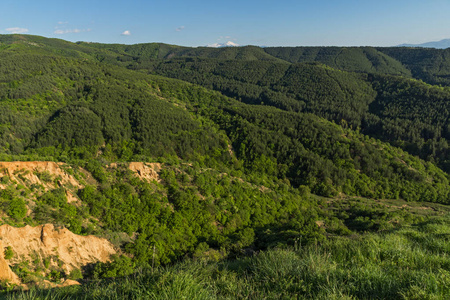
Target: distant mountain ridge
{"points": [[442, 44], [221, 45]]}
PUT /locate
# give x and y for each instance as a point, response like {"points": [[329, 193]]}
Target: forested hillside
{"points": [[405, 112], [352, 59], [249, 148], [429, 65]]}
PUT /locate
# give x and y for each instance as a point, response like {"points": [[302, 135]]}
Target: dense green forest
{"points": [[261, 149]]}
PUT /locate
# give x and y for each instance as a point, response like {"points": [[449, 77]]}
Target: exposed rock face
{"points": [[27, 170], [59, 245], [72, 199], [147, 171], [5, 271], [45, 245]]}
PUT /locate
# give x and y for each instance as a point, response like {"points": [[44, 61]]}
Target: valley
{"points": [[234, 173]]}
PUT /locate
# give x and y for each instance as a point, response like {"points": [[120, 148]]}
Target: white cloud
{"points": [[126, 32], [76, 30], [16, 30], [180, 28]]}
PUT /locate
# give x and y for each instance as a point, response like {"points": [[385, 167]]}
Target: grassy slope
{"points": [[409, 263]]}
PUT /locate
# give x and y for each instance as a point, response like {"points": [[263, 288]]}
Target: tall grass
{"points": [[411, 263]]}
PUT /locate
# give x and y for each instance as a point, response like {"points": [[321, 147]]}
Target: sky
{"points": [[244, 22]]}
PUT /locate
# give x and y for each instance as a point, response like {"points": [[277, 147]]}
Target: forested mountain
{"points": [[352, 59], [247, 141], [418, 122], [67, 103], [429, 65]]}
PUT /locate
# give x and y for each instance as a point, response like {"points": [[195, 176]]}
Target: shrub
{"points": [[17, 209], [76, 274], [9, 253]]}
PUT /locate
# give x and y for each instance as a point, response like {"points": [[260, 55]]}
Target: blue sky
{"points": [[263, 22]]}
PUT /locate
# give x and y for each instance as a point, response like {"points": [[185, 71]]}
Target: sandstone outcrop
{"points": [[27, 172], [147, 171], [5, 272], [62, 247]]}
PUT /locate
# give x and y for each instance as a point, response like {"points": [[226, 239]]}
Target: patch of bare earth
{"points": [[5, 272], [146, 171], [27, 173], [60, 246]]}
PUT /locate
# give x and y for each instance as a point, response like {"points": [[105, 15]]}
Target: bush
{"points": [[44, 176], [17, 209], [75, 274], [55, 275], [55, 198], [9, 253]]}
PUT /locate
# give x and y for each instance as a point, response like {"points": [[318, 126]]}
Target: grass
{"points": [[408, 263]]}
